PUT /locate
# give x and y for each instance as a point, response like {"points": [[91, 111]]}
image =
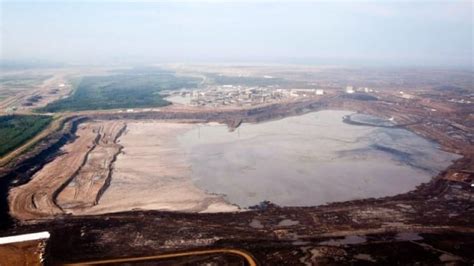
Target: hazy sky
{"points": [[393, 32]]}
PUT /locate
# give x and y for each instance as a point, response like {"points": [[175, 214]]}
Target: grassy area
{"points": [[17, 129], [126, 89]]}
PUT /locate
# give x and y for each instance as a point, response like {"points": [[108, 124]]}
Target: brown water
{"points": [[308, 160]]}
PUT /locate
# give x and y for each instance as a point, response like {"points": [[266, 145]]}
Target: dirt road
{"points": [[247, 256]]}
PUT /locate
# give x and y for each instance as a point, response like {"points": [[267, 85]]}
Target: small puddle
{"points": [[348, 240], [288, 222], [256, 224], [408, 236]]}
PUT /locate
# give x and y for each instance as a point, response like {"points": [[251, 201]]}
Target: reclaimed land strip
{"points": [[233, 118]]}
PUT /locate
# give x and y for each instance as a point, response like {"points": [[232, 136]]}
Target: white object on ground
{"points": [[25, 237]]}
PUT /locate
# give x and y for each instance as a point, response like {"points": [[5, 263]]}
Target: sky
{"points": [[424, 33]]}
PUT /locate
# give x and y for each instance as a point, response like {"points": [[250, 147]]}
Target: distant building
{"points": [[349, 89], [10, 109], [319, 92]]}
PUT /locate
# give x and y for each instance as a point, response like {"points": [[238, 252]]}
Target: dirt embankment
{"points": [[93, 177], [233, 117], [39, 197]]}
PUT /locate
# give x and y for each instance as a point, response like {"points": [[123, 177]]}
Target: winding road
{"points": [[247, 256]]}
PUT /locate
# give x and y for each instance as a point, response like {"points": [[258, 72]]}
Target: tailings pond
{"points": [[310, 159]]}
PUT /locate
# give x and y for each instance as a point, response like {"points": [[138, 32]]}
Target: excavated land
{"points": [[93, 176], [431, 224], [76, 178]]}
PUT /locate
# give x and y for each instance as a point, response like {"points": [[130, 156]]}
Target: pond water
{"points": [[309, 160]]}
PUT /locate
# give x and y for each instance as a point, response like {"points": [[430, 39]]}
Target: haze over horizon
{"points": [[385, 33]]}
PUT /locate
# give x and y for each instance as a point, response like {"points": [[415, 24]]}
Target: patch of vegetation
{"points": [[125, 89], [17, 129]]}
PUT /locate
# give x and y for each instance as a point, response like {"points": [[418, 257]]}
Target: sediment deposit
{"points": [[152, 172]]}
